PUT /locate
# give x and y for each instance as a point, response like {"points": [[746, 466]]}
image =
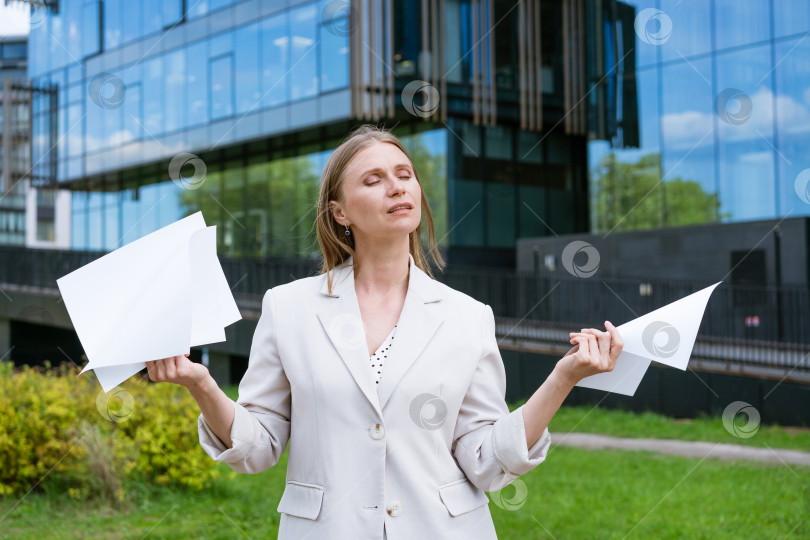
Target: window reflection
{"points": [[687, 125], [334, 66], [744, 106], [692, 20], [197, 89], [153, 97], [302, 41], [246, 56], [221, 86], [792, 77], [174, 82], [275, 61], [739, 23]]}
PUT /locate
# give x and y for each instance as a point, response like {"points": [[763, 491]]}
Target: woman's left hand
{"points": [[594, 352]]}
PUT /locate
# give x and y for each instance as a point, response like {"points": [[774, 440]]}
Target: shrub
{"points": [[61, 432]]}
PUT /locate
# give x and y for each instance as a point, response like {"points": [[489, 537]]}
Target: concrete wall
{"points": [[695, 252]]}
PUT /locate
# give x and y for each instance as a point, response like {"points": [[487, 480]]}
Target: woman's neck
{"points": [[382, 268]]}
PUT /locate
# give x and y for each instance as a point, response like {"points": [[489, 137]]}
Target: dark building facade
{"points": [[485, 94]]}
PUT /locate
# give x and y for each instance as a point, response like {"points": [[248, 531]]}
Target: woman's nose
{"points": [[396, 186]]}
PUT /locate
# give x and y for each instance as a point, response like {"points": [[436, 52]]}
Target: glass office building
{"points": [[14, 139], [723, 90], [259, 93]]}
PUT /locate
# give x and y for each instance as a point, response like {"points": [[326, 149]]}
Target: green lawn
{"points": [[711, 429], [574, 494]]}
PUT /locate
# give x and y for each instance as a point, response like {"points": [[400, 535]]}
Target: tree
{"points": [[632, 196]]}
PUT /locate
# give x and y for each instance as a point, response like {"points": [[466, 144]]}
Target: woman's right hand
{"points": [[178, 370]]}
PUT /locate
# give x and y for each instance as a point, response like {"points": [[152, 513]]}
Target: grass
{"points": [[574, 494], [619, 423]]}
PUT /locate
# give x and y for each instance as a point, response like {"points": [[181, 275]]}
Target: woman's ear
{"points": [[337, 212]]}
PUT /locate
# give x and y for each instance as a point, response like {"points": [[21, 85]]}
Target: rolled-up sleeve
{"points": [[490, 442], [261, 423]]}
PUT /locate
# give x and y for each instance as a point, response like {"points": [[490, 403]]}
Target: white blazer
{"points": [[408, 458]]}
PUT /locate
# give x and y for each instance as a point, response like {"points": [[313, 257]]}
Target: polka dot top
{"points": [[379, 358]]}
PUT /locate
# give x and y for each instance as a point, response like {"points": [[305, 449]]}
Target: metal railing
{"points": [[753, 324]]}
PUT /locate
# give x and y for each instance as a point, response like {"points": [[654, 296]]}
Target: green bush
{"points": [[63, 433]]}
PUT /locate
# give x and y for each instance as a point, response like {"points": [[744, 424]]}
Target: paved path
{"points": [[683, 448]]}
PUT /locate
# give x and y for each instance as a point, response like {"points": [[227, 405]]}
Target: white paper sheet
{"points": [[153, 298], [666, 335]]}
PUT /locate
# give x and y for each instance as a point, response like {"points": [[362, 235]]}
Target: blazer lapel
{"points": [[343, 324], [418, 322]]}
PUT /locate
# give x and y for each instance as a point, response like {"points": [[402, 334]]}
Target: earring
{"points": [[348, 232]]}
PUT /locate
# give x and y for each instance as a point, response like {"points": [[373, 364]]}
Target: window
{"points": [[247, 67], [737, 24], [133, 112], [112, 23], [131, 25], [220, 70], [745, 140], [175, 90], [197, 88], [334, 58], [172, 11], [91, 28], [303, 58], [153, 97], [275, 61]]}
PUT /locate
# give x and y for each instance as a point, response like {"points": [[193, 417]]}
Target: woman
{"points": [[387, 384]]}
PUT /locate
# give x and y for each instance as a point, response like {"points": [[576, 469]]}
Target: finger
{"points": [[617, 343], [160, 370], [603, 340], [150, 367], [593, 347], [171, 368], [584, 346]]}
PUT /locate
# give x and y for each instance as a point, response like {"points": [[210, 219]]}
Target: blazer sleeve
{"points": [[489, 441], [261, 423]]}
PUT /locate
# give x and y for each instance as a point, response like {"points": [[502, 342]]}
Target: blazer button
{"points": [[377, 431], [394, 508]]}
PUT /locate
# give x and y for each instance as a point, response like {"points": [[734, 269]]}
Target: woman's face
{"points": [[378, 178]]}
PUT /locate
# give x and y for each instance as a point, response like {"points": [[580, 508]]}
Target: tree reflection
{"points": [[632, 196]]}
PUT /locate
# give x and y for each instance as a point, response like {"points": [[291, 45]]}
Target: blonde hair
{"points": [[336, 246]]}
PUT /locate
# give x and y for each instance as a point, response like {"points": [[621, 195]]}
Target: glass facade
{"points": [[139, 81], [263, 207], [507, 183], [719, 94], [723, 102], [15, 143]]}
